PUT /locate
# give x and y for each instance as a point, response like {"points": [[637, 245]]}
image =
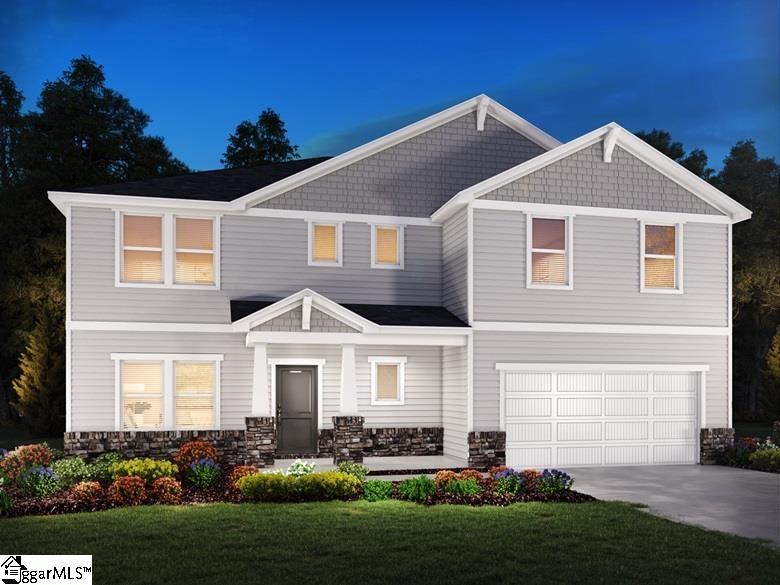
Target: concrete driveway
{"points": [[728, 499]]}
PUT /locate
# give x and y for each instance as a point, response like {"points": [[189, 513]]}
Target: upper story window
{"points": [[325, 244], [661, 262], [387, 247], [387, 379], [167, 251], [549, 255]]}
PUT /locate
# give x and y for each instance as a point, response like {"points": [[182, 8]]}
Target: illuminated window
{"points": [[142, 395], [325, 244], [142, 249], [549, 252], [195, 387], [387, 247], [194, 251], [387, 380], [660, 260]]}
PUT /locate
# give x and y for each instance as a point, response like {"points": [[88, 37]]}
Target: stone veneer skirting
{"points": [[712, 443], [487, 448]]}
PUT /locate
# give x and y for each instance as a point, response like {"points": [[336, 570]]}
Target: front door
{"points": [[296, 409]]}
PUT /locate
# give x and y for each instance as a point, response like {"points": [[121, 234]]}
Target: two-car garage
{"points": [[600, 414]]}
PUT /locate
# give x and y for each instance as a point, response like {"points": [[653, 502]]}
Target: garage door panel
{"points": [[630, 430], [626, 382], [674, 406], [626, 454], [579, 382], [528, 382], [673, 429], [579, 406], [675, 382], [529, 432], [579, 431], [579, 456], [529, 407], [673, 453], [524, 457], [625, 406]]}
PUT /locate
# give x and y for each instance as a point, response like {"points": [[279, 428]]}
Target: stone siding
{"points": [[713, 443], [487, 448]]}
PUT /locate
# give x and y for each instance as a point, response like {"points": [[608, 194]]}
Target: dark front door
{"points": [[296, 409]]}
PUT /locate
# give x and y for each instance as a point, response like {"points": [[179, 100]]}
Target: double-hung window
{"points": [[549, 253], [661, 261], [387, 379], [387, 246], [165, 391], [167, 250], [325, 243]]}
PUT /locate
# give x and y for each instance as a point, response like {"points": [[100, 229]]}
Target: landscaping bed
{"points": [[35, 480], [753, 453]]}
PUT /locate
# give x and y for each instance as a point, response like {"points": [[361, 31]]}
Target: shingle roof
{"points": [[219, 185], [395, 315]]}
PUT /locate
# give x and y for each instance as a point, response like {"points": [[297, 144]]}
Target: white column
{"points": [[349, 405], [261, 396]]}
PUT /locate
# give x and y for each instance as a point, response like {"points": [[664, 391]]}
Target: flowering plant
{"points": [[3, 453], [240, 471], [15, 462], [87, 492], [299, 468], [127, 491], [554, 481], [203, 473], [39, 481], [166, 490], [193, 451]]}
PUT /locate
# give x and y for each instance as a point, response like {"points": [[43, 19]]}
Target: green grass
{"points": [[753, 429], [392, 542], [13, 435]]}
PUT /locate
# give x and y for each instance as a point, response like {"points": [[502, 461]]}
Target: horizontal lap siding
{"points": [[606, 275], [455, 265], [494, 347], [92, 392], [454, 401]]}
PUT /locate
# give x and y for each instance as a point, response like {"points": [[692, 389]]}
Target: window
{"points": [[387, 380], [167, 251], [162, 391], [387, 247], [142, 248], [661, 262], [325, 244], [194, 250], [549, 254]]}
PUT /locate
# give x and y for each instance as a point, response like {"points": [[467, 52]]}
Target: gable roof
{"points": [[611, 135], [219, 185], [481, 104]]}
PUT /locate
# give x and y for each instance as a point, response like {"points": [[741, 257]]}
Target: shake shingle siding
{"points": [[418, 176], [585, 179]]}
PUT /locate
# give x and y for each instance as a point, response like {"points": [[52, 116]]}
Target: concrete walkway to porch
{"points": [[402, 465]]}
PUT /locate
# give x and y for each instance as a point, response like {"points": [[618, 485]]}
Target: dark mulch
{"points": [[488, 498]]}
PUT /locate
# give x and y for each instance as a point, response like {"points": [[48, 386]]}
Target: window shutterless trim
{"points": [[568, 252], [339, 243], [678, 259], [400, 362], [399, 229], [215, 236]]}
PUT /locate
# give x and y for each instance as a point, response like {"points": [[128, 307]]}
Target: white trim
{"points": [[68, 314], [445, 339], [730, 321], [616, 328], [400, 362], [150, 326], [176, 357], [469, 384], [261, 399], [571, 210], [568, 253], [678, 260], [399, 229], [306, 314], [498, 111], [62, 199], [470, 264], [482, 108], [703, 399], [594, 367], [625, 140], [339, 244], [318, 363], [348, 396], [610, 140], [334, 217]]}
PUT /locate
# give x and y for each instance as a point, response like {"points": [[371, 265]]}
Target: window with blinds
{"points": [[324, 243], [660, 257], [142, 395], [142, 249], [194, 251], [387, 380], [387, 247], [194, 394], [549, 252]]}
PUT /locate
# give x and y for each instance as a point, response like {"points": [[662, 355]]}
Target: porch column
{"points": [[348, 405], [261, 396]]}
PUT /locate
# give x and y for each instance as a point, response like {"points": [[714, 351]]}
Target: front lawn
{"points": [[392, 542]]}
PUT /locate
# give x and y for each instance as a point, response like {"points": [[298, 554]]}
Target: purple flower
{"points": [[3, 453]]}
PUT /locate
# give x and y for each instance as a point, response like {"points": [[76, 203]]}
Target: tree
{"points": [[260, 143], [770, 397], [10, 126], [695, 161]]}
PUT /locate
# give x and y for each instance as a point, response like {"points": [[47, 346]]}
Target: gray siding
{"points": [[455, 264], [260, 257], [418, 176], [293, 321], [606, 275], [454, 401], [583, 178], [493, 347]]}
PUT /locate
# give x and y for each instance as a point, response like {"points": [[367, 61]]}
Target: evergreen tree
{"points": [[259, 143], [770, 397], [695, 161]]}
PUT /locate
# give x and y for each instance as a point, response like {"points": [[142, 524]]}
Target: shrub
{"points": [[70, 471], [166, 490], [39, 481], [417, 489], [739, 454], [766, 460], [443, 477], [266, 487], [463, 487], [375, 490], [203, 473], [299, 468], [554, 481], [240, 471], [100, 468], [194, 451], [87, 492], [496, 469], [147, 469], [471, 474], [327, 485], [24, 457], [127, 491], [355, 469], [509, 481], [6, 502], [3, 453], [530, 479]]}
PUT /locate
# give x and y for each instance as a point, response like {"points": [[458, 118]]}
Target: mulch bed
{"points": [[494, 499]]}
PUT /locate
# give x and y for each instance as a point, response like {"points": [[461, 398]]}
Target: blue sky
{"points": [[343, 73]]}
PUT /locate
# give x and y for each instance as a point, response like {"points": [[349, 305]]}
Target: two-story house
{"points": [[466, 285]]}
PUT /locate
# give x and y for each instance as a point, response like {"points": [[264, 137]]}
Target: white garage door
{"points": [[572, 414]]}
